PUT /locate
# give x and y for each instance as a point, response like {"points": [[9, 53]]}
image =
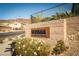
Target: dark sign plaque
{"points": [[40, 32]]}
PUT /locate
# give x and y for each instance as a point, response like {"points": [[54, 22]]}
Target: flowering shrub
{"points": [[32, 47], [59, 48]]}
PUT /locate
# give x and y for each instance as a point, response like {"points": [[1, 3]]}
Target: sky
{"points": [[22, 10]]}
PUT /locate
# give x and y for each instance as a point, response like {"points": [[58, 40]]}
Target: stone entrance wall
{"points": [[56, 30], [59, 29], [72, 25]]}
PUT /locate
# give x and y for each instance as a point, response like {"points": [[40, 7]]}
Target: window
{"points": [[40, 32]]}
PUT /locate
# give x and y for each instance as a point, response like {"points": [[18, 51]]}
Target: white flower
{"points": [[36, 42], [38, 48], [31, 41], [25, 51], [41, 42], [19, 42], [35, 53], [18, 36], [19, 47], [23, 46]]}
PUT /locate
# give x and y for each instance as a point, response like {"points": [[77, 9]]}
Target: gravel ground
{"points": [[4, 48]]}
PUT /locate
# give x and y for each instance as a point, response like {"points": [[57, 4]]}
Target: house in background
{"points": [[19, 23], [15, 24]]}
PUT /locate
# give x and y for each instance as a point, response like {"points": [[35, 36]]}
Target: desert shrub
{"points": [[59, 48], [13, 47], [32, 47]]}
